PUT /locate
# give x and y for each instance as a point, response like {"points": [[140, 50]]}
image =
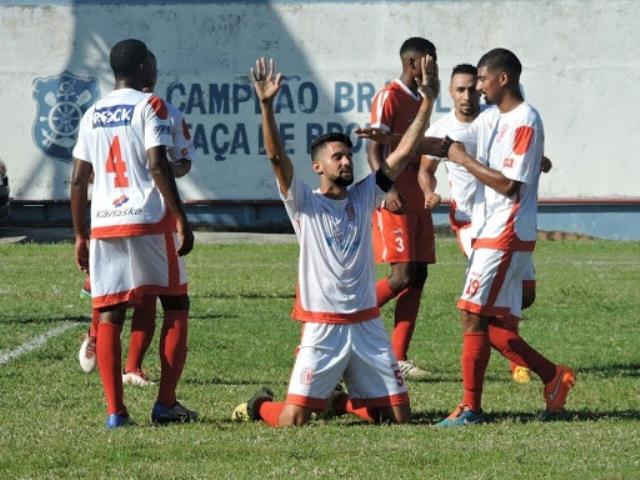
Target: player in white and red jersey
{"points": [[510, 146], [180, 155], [403, 233], [138, 227], [343, 335], [457, 125]]}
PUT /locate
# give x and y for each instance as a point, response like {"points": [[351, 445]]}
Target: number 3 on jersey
{"points": [[116, 165]]}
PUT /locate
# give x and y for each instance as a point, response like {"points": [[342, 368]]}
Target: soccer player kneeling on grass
{"points": [[138, 227], [343, 336]]}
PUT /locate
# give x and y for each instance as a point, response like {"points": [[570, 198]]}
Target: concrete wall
{"points": [[580, 70]]}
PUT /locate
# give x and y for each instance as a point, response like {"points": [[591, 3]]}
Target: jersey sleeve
{"points": [[297, 198], [181, 137], [434, 131], [157, 125], [519, 164], [382, 110], [81, 149]]}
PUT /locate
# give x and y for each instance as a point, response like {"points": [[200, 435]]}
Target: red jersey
{"points": [[393, 109]]}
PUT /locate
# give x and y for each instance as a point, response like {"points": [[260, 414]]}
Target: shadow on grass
{"points": [[244, 296], [613, 370], [231, 381], [43, 320], [432, 417]]}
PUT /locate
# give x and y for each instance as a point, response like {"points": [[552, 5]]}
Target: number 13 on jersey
{"points": [[115, 164]]}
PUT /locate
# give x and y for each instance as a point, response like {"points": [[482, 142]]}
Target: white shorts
{"points": [[493, 286], [464, 238], [358, 352], [122, 270]]}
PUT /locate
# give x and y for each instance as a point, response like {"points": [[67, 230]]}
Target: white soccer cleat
{"points": [[411, 371], [87, 354], [137, 378]]}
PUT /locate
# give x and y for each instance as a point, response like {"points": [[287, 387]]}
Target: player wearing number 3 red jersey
{"points": [[135, 211]]}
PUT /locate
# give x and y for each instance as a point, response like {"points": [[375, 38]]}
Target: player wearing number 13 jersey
{"points": [[134, 249]]}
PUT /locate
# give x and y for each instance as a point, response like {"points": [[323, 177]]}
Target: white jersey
{"points": [[512, 143], [462, 183], [336, 273], [114, 135], [182, 145]]}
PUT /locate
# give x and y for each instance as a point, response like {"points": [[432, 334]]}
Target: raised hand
{"points": [[266, 85], [429, 84]]}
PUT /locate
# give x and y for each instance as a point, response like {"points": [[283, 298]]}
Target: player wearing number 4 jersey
{"points": [[143, 323], [343, 336], [510, 145], [135, 211]]}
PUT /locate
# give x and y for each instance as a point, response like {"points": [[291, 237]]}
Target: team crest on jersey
{"points": [[61, 100], [351, 212], [306, 377]]}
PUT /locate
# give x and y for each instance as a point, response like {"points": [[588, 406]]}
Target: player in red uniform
{"points": [[402, 226]]}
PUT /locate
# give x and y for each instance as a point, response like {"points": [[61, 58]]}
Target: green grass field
{"points": [[587, 316]]}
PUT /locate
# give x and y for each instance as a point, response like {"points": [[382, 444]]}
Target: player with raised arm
{"points": [[343, 334], [510, 146], [139, 229], [402, 227]]}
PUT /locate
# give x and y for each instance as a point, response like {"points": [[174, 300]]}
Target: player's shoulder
{"points": [[529, 113], [442, 124], [158, 104]]}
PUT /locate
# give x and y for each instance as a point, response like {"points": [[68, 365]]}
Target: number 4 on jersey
{"points": [[116, 165]]}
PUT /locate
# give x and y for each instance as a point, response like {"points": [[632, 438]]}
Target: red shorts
{"points": [[404, 237]]}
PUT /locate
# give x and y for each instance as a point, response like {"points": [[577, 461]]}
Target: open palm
{"points": [[264, 82]]}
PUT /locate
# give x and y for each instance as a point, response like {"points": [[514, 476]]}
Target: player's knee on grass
{"points": [[528, 297], [294, 416], [401, 413], [175, 302]]}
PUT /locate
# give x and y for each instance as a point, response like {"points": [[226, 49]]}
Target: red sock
{"points": [[173, 353], [344, 405], [513, 347], [95, 320], [383, 291], [407, 307], [108, 356], [475, 357], [143, 326], [270, 412]]}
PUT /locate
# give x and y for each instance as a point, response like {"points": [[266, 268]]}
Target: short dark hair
{"points": [[501, 59], [419, 45], [464, 68], [126, 56], [320, 140]]}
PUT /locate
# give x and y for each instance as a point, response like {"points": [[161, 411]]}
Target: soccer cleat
{"points": [[87, 354], [462, 416], [137, 378], [337, 394], [176, 414], [248, 411], [521, 375], [555, 392], [410, 370], [116, 421]]}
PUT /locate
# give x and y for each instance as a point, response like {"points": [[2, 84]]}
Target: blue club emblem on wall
{"points": [[61, 101]]}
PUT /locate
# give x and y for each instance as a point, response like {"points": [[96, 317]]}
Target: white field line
{"points": [[35, 342]]}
